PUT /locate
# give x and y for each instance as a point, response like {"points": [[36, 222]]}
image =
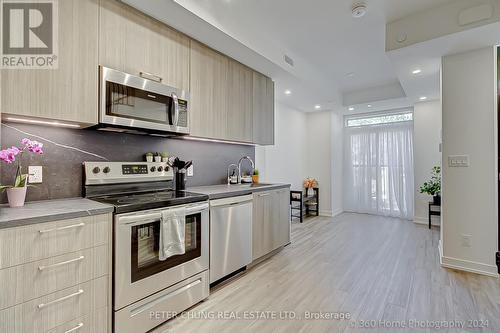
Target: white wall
{"points": [[306, 145], [337, 187], [285, 161], [426, 140], [319, 156], [469, 98]]}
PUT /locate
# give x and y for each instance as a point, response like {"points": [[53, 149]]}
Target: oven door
{"points": [[137, 102], [138, 270]]}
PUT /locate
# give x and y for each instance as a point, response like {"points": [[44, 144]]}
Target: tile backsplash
{"points": [[66, 149]]}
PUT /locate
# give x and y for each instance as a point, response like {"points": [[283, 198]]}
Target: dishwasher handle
{"points": [[233, 201]]}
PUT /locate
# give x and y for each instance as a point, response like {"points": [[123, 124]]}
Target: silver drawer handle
{"points": [[42, 305], [62, 228], [77, 327], [264, 194], [150, 76], [41, 268]]}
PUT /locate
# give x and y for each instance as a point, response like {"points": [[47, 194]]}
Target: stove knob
{"points": [[160, 169], [96, 170], [153, 169], [106, 170]]}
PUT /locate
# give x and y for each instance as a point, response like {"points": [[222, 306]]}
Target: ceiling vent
{"points": [[358, 10], [288, 60]]}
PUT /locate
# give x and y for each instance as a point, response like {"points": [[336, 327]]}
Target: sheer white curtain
{"points": [[379, 169]]}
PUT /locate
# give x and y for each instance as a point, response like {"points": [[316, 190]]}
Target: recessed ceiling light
{"points": [[417, 71], [288, 92], [423, 98], [369, 105], [351, 108], [317, 106]]}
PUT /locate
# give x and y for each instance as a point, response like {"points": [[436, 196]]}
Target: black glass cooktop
{"points": [[141, 201]]}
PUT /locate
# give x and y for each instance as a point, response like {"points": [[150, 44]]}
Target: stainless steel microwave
{"points": [[138, 104]]}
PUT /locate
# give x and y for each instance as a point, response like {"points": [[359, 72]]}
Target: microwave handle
{"points": [[175, 118]]}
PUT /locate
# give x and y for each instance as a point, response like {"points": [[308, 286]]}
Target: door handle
{"points": [[41, 268], [62, 228], [77, 327], [42, 305]]}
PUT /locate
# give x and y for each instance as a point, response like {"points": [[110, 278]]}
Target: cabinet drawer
{"points": [[45, 240], [95, 323], [25, 282], [49, 312]]}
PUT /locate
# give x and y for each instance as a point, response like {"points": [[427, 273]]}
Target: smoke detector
{"points": [[358, 10]]}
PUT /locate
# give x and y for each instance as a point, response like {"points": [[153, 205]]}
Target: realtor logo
{"points": [[29, 34]]}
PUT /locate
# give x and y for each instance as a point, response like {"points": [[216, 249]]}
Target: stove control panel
{"points": [[125, 172]]}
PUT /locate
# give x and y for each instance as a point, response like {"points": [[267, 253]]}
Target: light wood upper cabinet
{"points": [[263, 109], [131, 42], [240, 102], [209, 102], [68, 93]]}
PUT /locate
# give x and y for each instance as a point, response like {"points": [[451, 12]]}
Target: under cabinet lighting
{"points": [[317, 106], [42, 122], [423, 98], [351, 108], [288, 92], [416, 71], [193, 138], [369, 105]]}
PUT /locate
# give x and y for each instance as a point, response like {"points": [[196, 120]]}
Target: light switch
{"points": [[458, 161], [35, 174]]}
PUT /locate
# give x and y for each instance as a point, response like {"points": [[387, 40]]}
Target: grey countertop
{"points": [[225, 191], [50, 210], [53, 210]]}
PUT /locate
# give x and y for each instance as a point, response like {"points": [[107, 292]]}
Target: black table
{"points": [[433, 212], [311, 203]]}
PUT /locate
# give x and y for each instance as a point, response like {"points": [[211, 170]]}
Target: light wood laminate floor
{"points": [[374, 268]]}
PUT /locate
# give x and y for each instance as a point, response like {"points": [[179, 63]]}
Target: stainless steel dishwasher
{"points": [[230, 235]]}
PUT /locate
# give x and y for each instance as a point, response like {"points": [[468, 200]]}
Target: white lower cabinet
{"points": [[271, 221], [67, 292]]}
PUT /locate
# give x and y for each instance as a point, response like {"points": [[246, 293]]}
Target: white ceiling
{"points": [[336, 56]]}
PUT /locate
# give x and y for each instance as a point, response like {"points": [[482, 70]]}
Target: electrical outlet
{"points": [[466, 240], [190, 171], [35, 174]]}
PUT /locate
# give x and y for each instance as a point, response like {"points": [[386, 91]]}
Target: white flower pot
{"points": [[16, 196], [149, 159], [157, 158], [310, 192]]}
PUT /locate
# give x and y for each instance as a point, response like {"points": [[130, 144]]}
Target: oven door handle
{"points": [[155, 216]]}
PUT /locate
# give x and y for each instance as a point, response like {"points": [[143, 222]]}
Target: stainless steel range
{"points": [[146, 289]]}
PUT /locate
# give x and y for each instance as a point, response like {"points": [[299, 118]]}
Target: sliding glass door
{"points": [[379, 165]]}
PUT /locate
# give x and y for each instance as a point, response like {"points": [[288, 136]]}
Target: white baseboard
{"points": [[337, 212], [467, 266], [327, 213], [423, 220]]}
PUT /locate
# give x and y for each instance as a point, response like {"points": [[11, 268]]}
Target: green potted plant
{"points": [[149, 157], [255, 176], [157, 157], [433, 186], [164, 156]]}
